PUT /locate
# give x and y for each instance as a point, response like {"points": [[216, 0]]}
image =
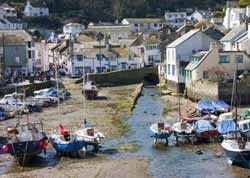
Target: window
{"points": [[169, 69], [224, 59], [79, 57], [173, 69], [205, 75], [239, 58], [173, 54], [155, 25]]}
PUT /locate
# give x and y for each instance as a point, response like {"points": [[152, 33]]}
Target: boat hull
{"points": [[23, 151], [67, 148], [238, 156], [163, 135], [90, 94], [208, 134]]}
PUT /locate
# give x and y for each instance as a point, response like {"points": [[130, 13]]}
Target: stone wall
{"points": [[200, 89], [223, 91], [125, 77]]}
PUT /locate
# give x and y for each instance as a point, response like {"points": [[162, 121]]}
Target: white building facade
{"points": [[175, 19], [72, 29], [179, 54], [31, 11], [143, 24]]}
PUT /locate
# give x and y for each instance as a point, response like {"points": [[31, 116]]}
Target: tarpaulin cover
{"points": [[210, 106], [227, 126], [205, 105], [203, 125], [220, 105], [244, 114]]}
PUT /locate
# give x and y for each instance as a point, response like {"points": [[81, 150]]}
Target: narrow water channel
{"points": [[172, 161]]}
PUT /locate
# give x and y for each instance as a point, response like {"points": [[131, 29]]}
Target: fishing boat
{"points": [[205, 131], [237, 148], [89, 90], [66, 143], [227, 128], [63, 141], [160, 130], [90, 135], [25, 141]]}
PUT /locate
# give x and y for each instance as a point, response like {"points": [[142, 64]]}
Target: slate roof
{"points": [[234, 33], [214, 33], [183, 38], [192, 65]]}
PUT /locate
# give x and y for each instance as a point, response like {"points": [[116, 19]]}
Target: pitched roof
{"points": [[12, 40], [214, 33], [144, 20], [192, 65], [121, 52], [234, 33], [85, 38], [242, 37], [22, 33], [183, 38], [152, 40], [92, 52]]}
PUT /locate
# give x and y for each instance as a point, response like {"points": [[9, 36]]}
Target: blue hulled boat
{"points": [[66, 143], [160, 131]]}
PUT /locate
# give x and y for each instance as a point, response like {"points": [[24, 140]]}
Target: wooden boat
{"points": [[160, 131], [89, 90], [187, 119], [205, 130], [25, 141], [66, 143]]}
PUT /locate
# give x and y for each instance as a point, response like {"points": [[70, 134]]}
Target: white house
{"points": [[143, 24], [197, 16], [32, 11], [179, 54], [147, 47], [234, 17], [114, 31], [229, 40], [175, 19], [72, 29], [100, 60], [7, 11]]}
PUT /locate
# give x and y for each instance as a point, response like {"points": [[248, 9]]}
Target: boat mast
{"points": [[57, 86]]}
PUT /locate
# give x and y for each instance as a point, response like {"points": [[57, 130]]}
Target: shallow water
{"points": [[172, 161]]}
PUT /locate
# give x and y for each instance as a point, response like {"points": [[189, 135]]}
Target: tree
{"points": [[244, 3]]}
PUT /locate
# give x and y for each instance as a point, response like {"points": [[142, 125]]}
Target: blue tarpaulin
{"points": [[227, 126], [206, 106], [203, 125], [220, 105]]}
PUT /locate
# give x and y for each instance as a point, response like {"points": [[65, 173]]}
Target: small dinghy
{"points": [[205, 130], [90, 135], [25, 141], [66, 143], [160, 131], [184, 130], [89, 90]]}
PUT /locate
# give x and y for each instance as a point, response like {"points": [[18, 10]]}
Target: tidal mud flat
{"points": [[113, 105]]}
